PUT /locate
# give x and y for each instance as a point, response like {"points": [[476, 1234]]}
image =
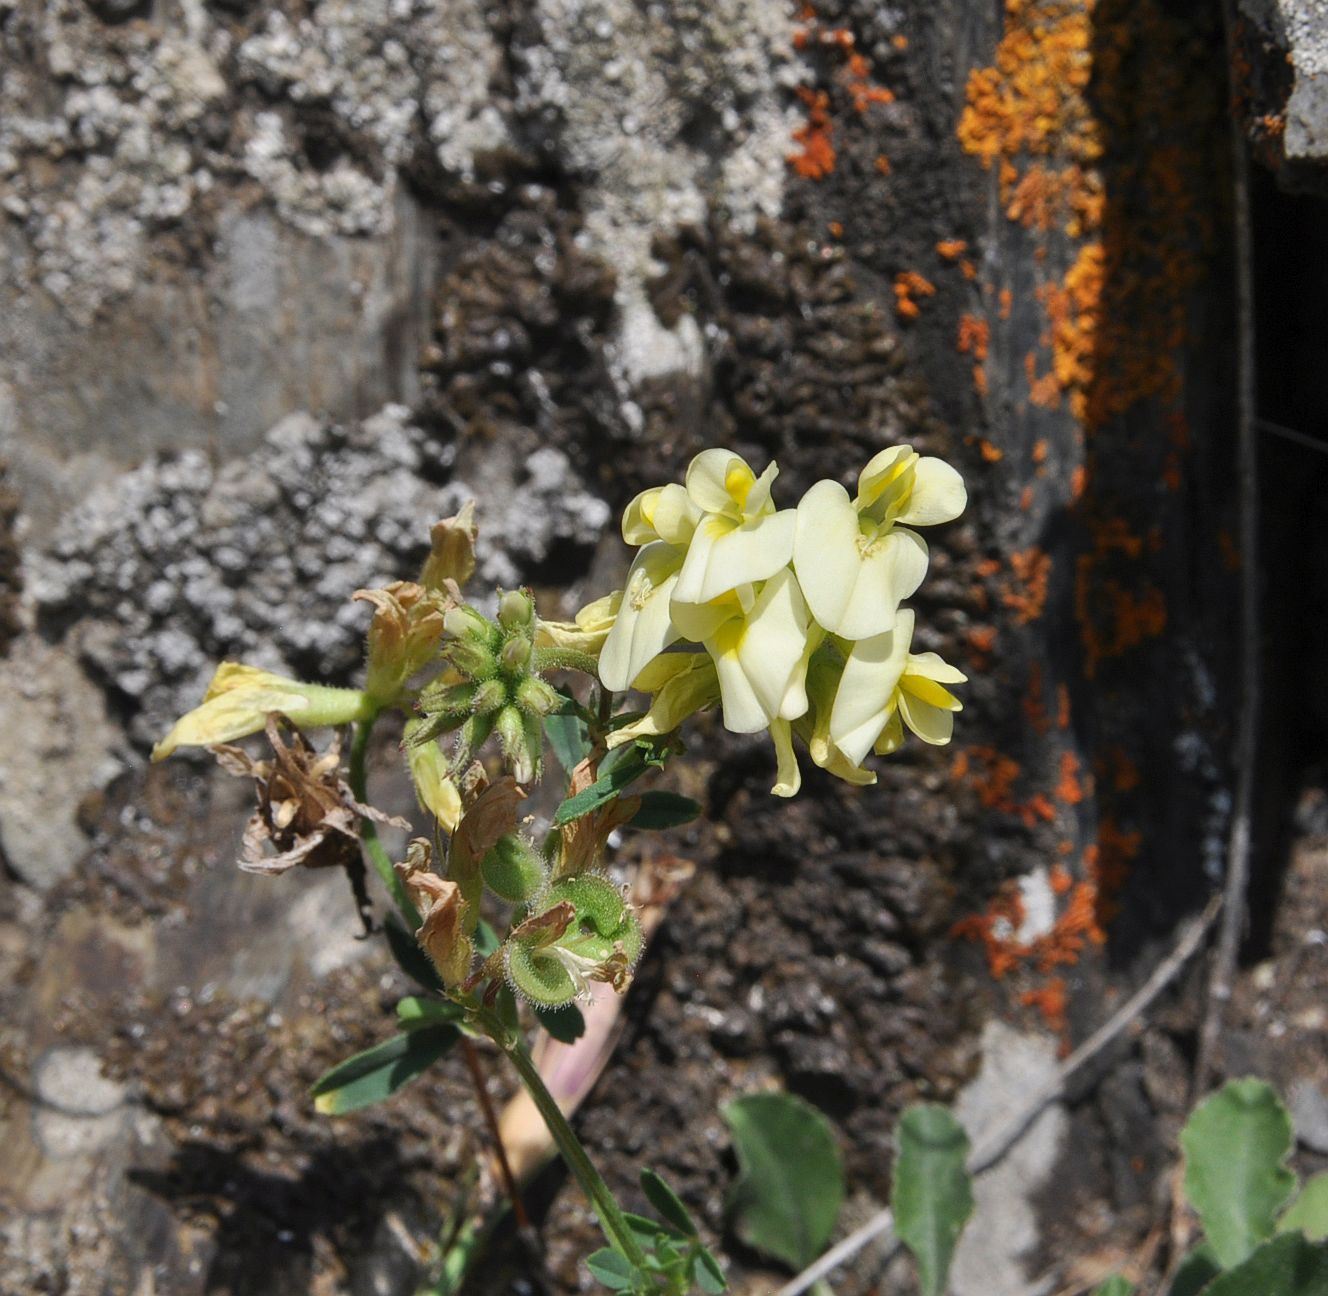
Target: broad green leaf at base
{"points": [[790, 1183], [1235, 1143], [933, 1195]]}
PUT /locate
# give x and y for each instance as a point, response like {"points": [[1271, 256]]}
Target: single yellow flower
{"points": [[855, 559], [885, 687]]}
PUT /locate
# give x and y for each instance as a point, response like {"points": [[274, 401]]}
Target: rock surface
{"points": [[284, 283]]}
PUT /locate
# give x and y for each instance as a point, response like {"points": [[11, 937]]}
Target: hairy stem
{"points": [[369, 833], [610, 1214], [545, 659]]}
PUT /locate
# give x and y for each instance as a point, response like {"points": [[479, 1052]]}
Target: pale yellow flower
{"points": [[884, 687], [855, 559]]}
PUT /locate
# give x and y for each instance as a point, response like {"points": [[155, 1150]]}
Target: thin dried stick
{"points": [[994, 1145], [1223, 972]]}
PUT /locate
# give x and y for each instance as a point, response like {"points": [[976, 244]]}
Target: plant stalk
{"points": [[368, 831], [610, 1215]]}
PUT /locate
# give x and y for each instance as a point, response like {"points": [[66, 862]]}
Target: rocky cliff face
{"points": [[283, 283]]}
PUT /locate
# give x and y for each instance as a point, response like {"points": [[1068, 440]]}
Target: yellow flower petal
{"points": [[930, 723], [240, 698], [788, 778], [643, 627], [853, 587]]}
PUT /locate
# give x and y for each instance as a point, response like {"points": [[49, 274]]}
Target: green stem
{"points": [[368, 831], [545, 659], [610, 1215]]}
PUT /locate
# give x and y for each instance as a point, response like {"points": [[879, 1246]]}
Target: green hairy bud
{"points": [[513, 869], [516, 610]]}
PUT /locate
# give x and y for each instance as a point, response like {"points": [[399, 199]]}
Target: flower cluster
{"points": [[797, 610]]}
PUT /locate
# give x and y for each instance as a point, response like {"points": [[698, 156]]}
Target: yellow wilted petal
{"points": [[240, 698]]}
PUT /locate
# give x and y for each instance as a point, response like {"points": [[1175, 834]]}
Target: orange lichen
{"points": [[1031, 120], [836, 229], [908, 286], [995, 931], [1026, 498], [1062, 707], [1078, 480], [900, 42], [980, 379], [983, 638], [990, 453], [1059, 875], [1006, 303], [951, 249], [1113, 616], [1039, 451], [1069, 789], [817, 156], [883, 164], [991, 776], [974, 336], [1035, 709], [1116, 851], [1051, 1001], [1026, 593], [968, 270]]}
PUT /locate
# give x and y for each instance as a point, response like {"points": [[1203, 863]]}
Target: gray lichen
{"points": [[176, 565]]}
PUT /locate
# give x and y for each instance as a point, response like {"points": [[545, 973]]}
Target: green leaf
{"points": [[933, 1194], [565, 1024], [373, 1075], [1115, 1286], [615, 1271], [486, 939], [1309, 1212], [1286, 1266], [790, 1183], [411, 959], [666, 1202], [621, 767], [568, 735], [416, 1013], [1196, 1271], [665, 810], [706, 1273], [646, 1231], [1235, 1143]]}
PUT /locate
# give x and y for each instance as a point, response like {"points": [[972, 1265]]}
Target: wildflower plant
{"points": [[789, 620]]}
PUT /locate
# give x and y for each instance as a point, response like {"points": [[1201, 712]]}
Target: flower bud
{"points": [[538, 697], [522, 743], [515, 655], [516, 610], [513, 869], [489, 696]]}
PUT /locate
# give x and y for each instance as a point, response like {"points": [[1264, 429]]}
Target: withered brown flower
{"points": [[307, 815]]}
